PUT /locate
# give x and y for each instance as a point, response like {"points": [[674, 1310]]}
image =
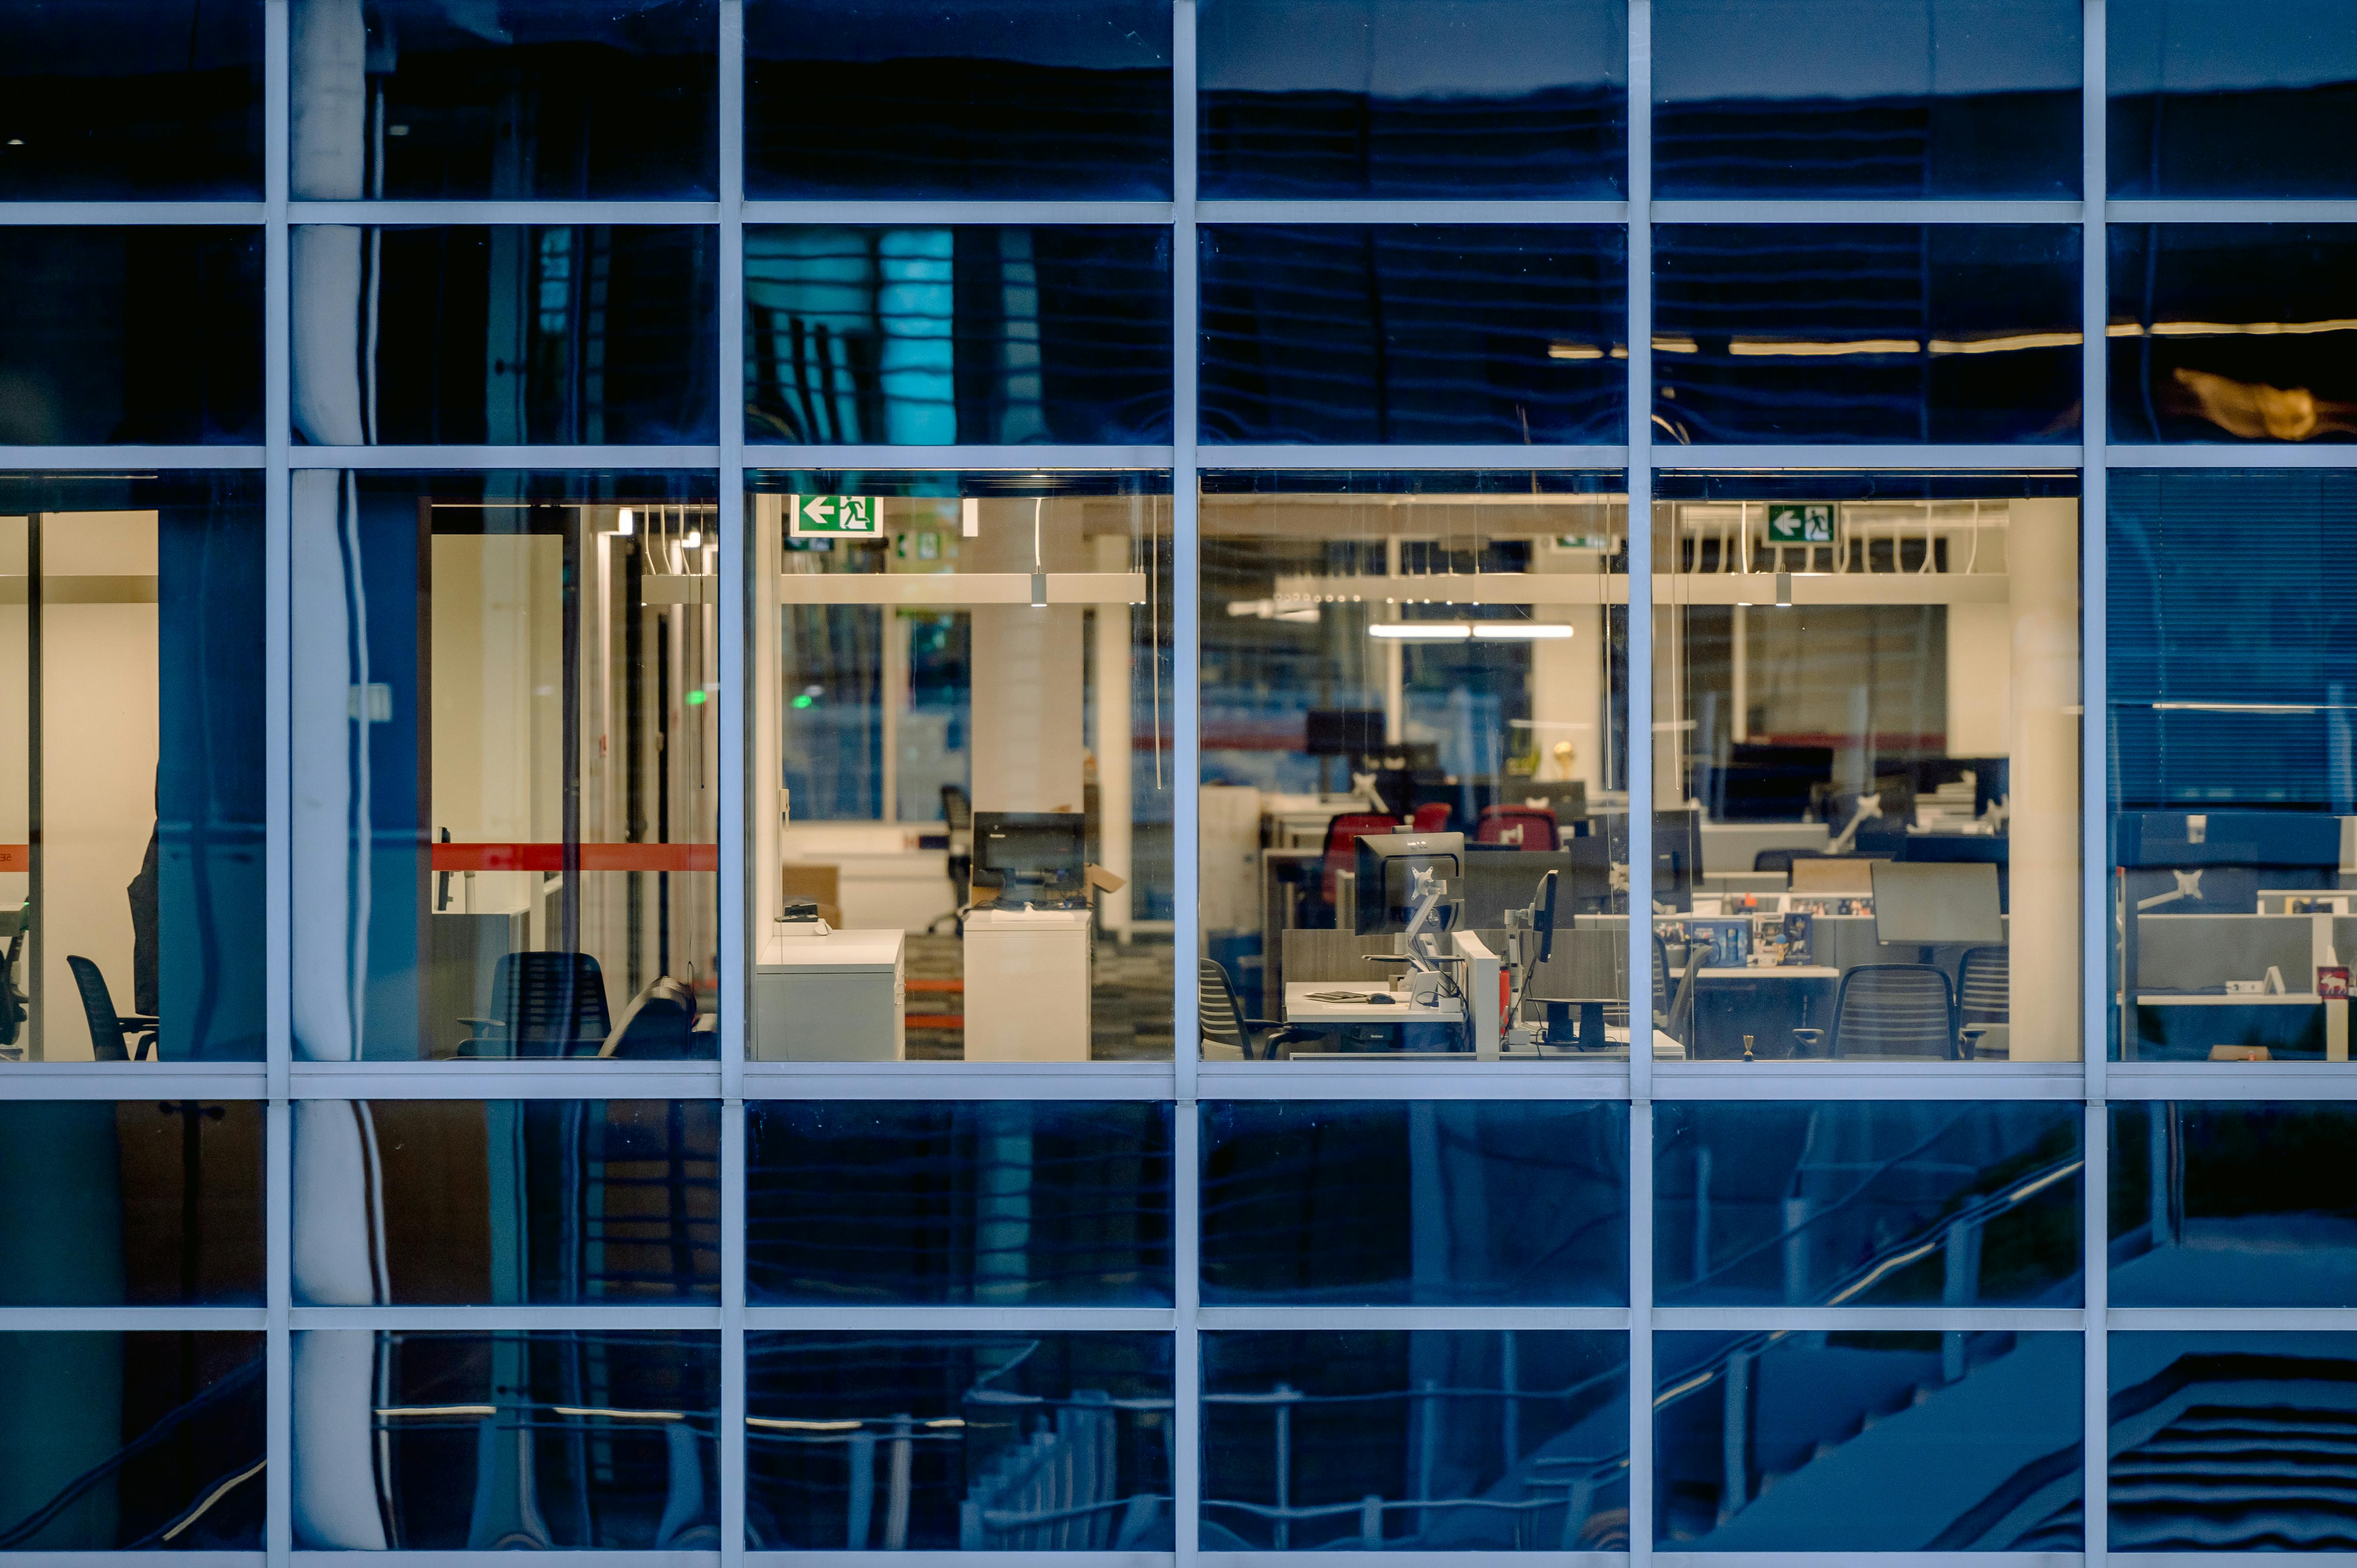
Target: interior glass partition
{"points": [[1409, 673], [507, 803], [961, 724], [1866, 765]]}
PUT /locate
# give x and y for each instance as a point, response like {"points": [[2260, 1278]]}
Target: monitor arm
{"points": [[1869, 806]]}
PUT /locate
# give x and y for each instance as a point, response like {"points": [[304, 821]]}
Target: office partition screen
{"points": [[1170, 781]]}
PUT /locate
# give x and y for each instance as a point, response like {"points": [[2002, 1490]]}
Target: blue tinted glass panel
{"points": [[993, 1202], [545, 334], [145, 1441], [105, 99], [1858, 333], [2233, 333], [2230, 759], [1869, 1203], [1903, 98], [1012, 1442], [1008, 99], [505, 100], [133, 597], [150, 336], [138, 1203], [2227, 1204], [2224, 100], [505, 1441], [936, 336], [1425, 1441], [501, 631], [506, 1201], [1852, 1442], [1307, 1200], [2231, 1442], [1424, 334], [1407, 98]]}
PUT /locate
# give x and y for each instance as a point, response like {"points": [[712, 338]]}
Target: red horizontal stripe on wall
{"points": [[594, 857]]}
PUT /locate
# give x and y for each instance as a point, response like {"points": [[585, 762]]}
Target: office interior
{"points": [[1865, 760], [962, 697], [131, 788], [513, 688], [1406, 672]]}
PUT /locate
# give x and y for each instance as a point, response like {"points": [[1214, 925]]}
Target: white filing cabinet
{"points": [[836, 998], [1027, 986]]}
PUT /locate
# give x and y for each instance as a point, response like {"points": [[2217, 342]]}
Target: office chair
{"points": [[1342, 836], [1782, 859], [544, 1005], [658, 1026], [1886, 1009], [957, 810], [1432, 817], [13, 1002], [1984, 996], [1531, 827], [107, 1027], [1228, 1034]]}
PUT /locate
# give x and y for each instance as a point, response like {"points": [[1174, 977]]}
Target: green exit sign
{"points": [[832, 517], [1807, 523]]}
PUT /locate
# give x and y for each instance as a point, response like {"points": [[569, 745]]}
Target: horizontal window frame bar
{"points": [[451, 214], [961, 1319], [1742, 211], [113, 459], [1407, 1079], [958, 213], [2231, 1319], [1214, 458], [1419, 213], [1156, 1081], [180, 1559], [517, 1319], [133, 1319], [1788, 1080], [1860, 1319], [471, 459], [586, 1080], [135, 1080], [2289, 1082], [2322, 209], [456, 1558], [1849, 459], [1333, 1318], [1874, 1558], [2339, 455], [1143, 458], [133, 214]]}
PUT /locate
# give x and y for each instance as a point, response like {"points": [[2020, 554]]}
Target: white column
{"points": [[2043, 552], [1026, 708], [1116, 743]]}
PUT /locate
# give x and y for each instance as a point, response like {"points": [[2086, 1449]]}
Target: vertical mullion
{"points": [[1186, 1481], [278, 1208], [2094, 769], [1640, 762], [736, 554]]}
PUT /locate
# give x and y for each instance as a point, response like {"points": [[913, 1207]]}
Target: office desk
{"points": [[837, 997], [1299, 1009], [2182, 1027], [1400, 1028], [1766, 1004]]}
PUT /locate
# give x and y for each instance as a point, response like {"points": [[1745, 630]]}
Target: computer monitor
{"points": [[1677, 854], [1929, 903], [1765, 783], [1030, 857], [1964, 849], [1501, 877], [1344, 732], [1386, 865], [1566, 798]]}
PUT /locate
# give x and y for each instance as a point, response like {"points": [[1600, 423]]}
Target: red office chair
{"points": [[1431, 817], [1530, 827], [1342, 836]]}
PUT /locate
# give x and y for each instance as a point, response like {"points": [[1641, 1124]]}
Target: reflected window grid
{"points": [[2163, 1386]]}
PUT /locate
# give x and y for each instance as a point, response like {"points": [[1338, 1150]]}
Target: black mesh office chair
{"points": [[13, 1000], [1886, 1009], [542, 1004], [107, 1027], [1227, 1034], [658, 1026], [1984, 997]]}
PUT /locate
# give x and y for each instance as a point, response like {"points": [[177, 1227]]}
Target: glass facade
{"points": [[1155, 782]]}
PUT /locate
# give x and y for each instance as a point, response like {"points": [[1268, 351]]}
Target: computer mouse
{"points": [[1383, 999]]}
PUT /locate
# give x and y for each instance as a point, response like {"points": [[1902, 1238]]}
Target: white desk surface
{"points": [[1300, 1009], [1778, 971], [836, 950], [2290, 999]]}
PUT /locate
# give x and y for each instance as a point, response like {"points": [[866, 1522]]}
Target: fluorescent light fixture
{"points": [[1422, 630], [626, 523], [694, 540], [1520, 631]]}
